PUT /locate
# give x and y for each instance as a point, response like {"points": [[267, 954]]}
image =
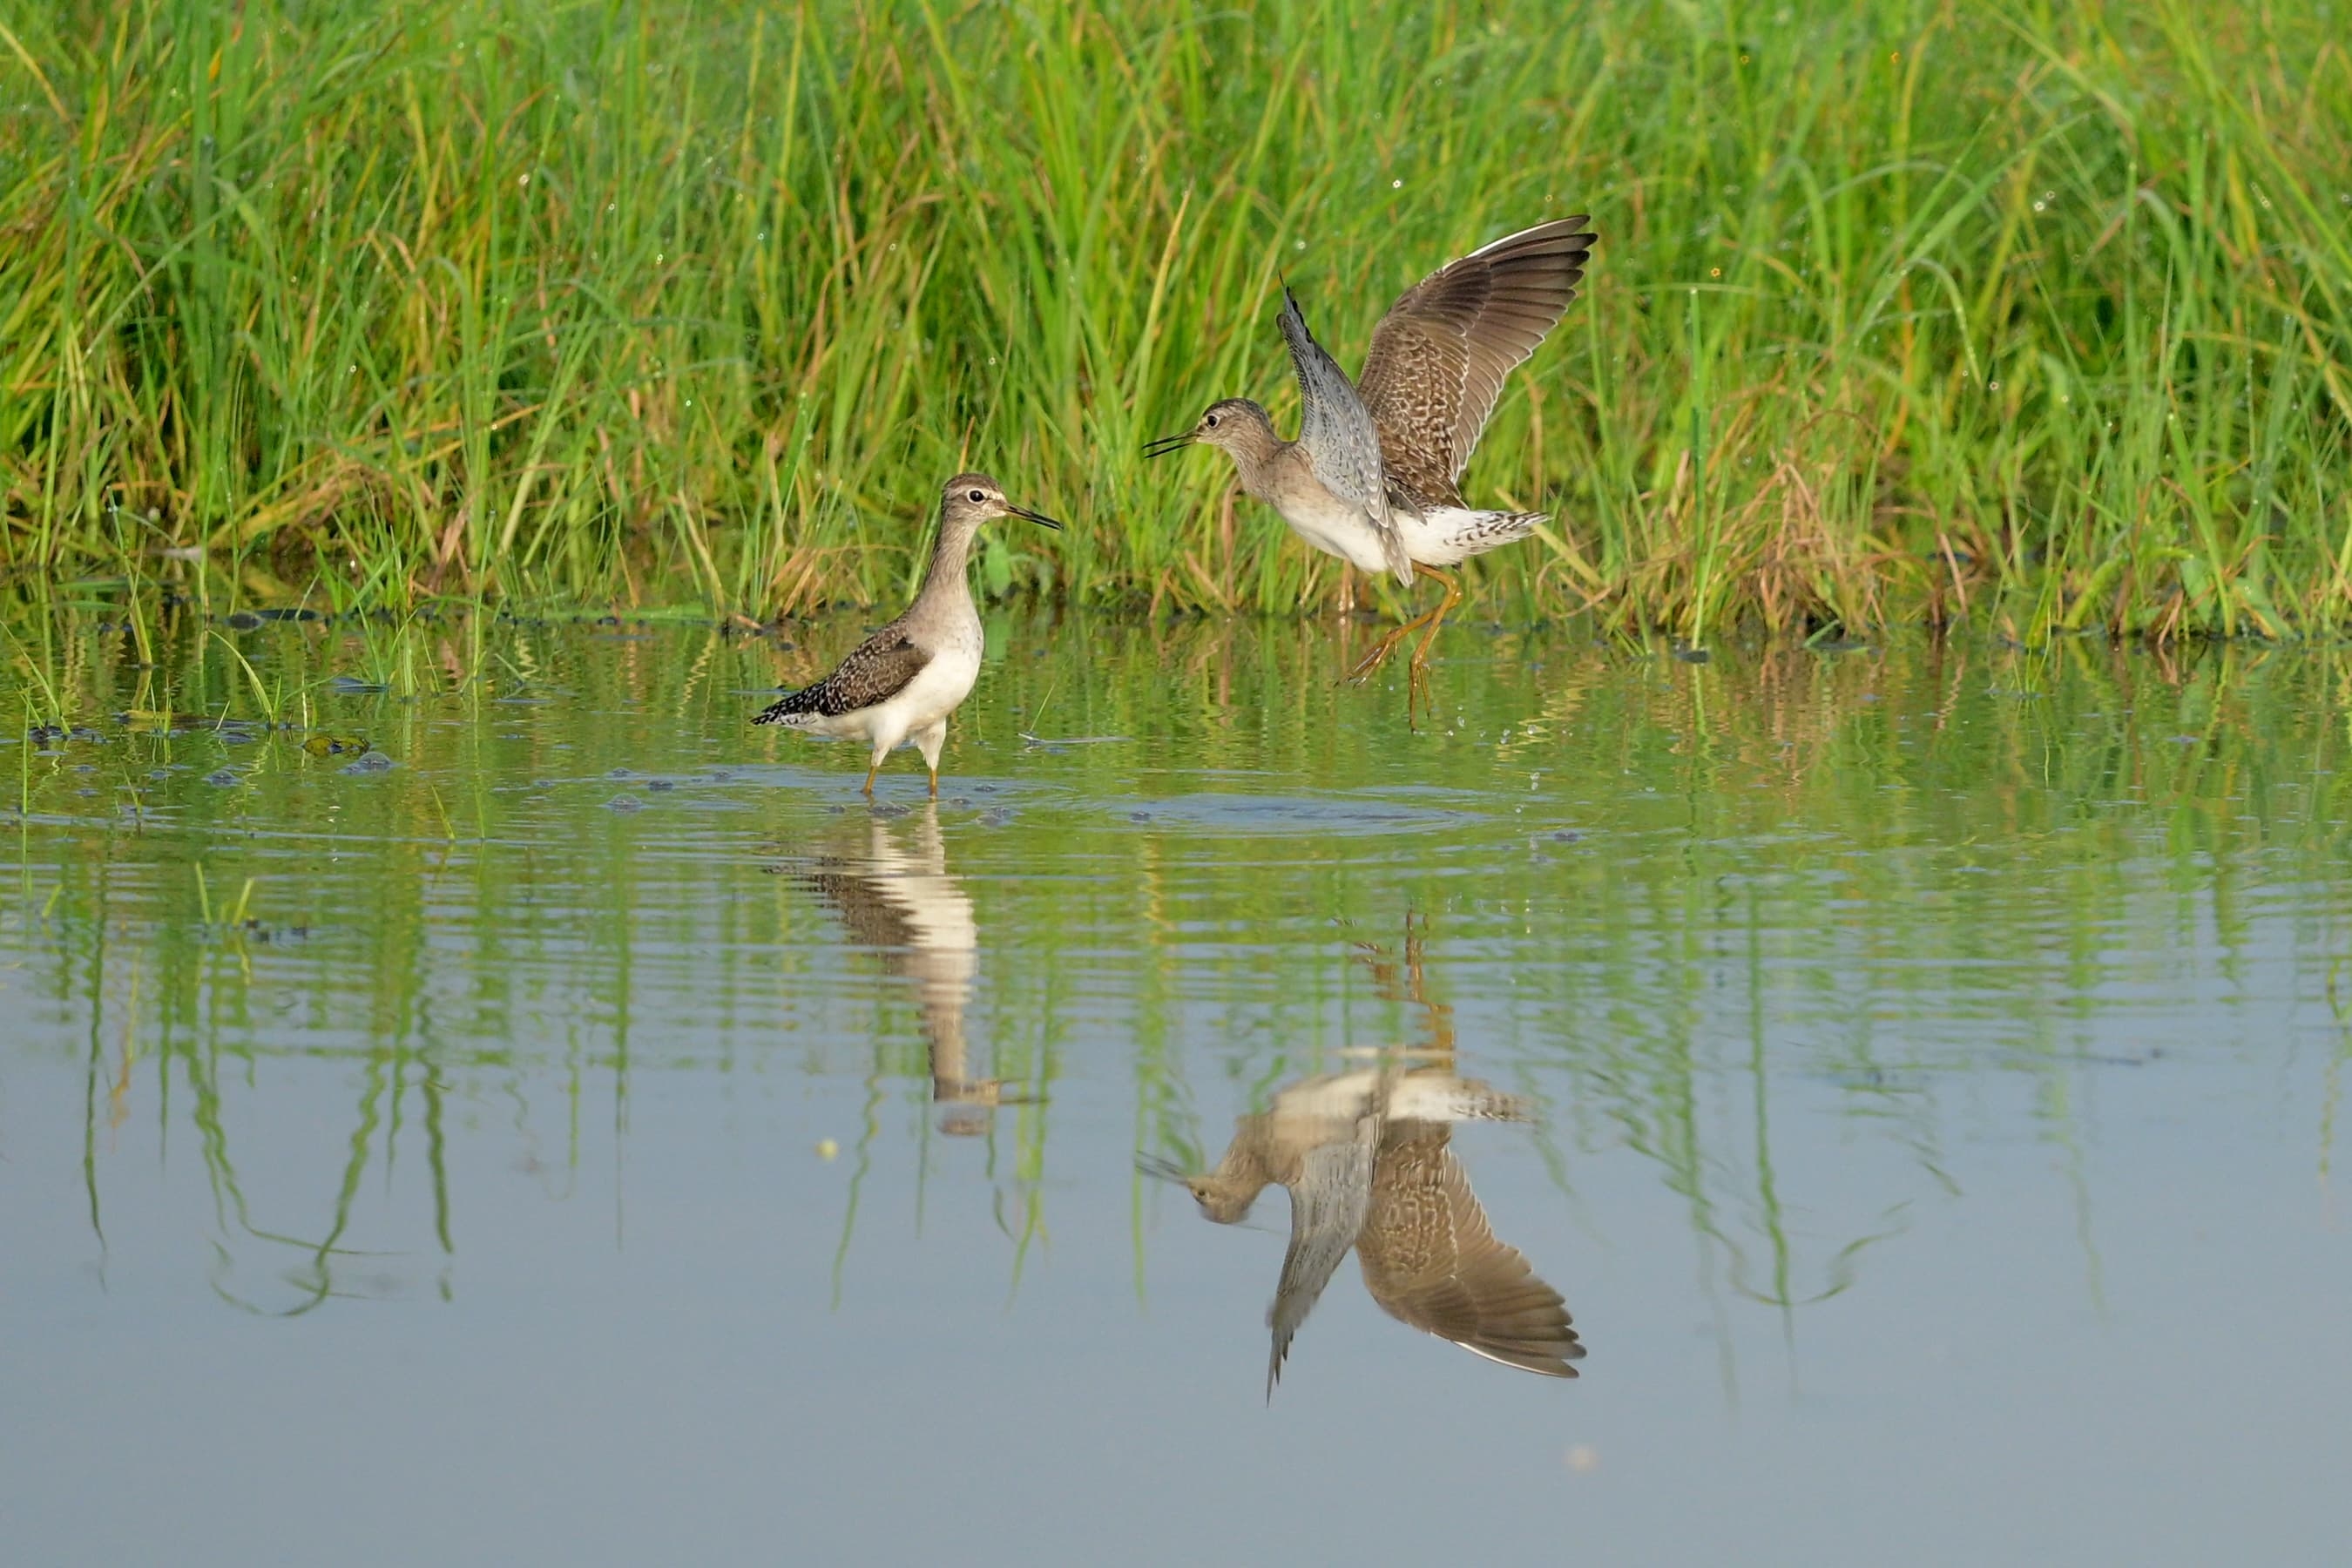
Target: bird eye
{"points": [[1210, 421], [975, 495]]}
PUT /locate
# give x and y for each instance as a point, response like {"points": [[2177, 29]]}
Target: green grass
{"points": [[2041, 314]]}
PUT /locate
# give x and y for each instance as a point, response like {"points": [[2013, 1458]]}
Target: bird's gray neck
{"points": [[943, 581], [1273, 471], [1239, 1177]]}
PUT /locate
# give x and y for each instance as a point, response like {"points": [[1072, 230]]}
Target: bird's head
{"points": [[1220, 1199], [1237, 424], [973, 499], [1221, 1202]]}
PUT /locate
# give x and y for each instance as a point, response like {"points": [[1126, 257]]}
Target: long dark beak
{"points": [[1161, 1169], [1038, 518], [1167, 444]]}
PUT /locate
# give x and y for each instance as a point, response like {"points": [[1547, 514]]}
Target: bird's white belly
{"points": [[1335, 527], [931, 697]]}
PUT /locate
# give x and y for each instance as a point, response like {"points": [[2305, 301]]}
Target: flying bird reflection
{"points": [[1365, 1158]]}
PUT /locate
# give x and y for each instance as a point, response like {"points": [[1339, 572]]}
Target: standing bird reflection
{"points": [[898, 686], [1375, 474], [903, 902]]}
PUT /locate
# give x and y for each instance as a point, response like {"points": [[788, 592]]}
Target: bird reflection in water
{"points": [[903, 904], [1365, 1157]]}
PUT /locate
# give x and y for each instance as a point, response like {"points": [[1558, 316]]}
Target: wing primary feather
{"points": [[1431, 1260], [1439, 357], [1338, 433], [1328, 1204]]}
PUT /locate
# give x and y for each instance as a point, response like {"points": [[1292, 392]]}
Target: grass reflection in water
{"points": [[1787, 925]]}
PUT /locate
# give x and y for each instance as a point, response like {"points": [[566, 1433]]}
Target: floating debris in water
{"points": [[1693, 655], [352, 686], [620, 774], [373, 763], [222, 778], [826, 1148], [625, 802], [661, 783], [244, 620], [334, 745], [292, 614], [1054, 743], [888, 808], [997, 816], [254, 930]]}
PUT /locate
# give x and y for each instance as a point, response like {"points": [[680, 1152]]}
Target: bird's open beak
{"points": [[1167, 444], [1162, 1169], [1039, 517]]}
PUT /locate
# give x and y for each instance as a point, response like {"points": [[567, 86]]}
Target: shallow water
{"points": [[598, 1136]]}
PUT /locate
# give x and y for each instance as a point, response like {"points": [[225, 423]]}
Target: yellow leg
{"points": [[869, 777], [1427, 619], [1417, 672], [929, 741], [1379, 653]]}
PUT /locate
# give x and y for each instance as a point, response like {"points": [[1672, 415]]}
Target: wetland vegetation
{"points": [[1902, 307], [465, 1095]]}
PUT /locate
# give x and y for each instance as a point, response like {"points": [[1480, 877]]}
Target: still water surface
{"points": [[598, 1136]]}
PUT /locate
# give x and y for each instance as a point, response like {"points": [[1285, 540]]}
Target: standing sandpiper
{"points": [[1374, 474], [899, 685]]}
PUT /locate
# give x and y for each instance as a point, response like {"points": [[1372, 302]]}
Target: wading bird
{"points": [[1375, 473], [898, 686]]}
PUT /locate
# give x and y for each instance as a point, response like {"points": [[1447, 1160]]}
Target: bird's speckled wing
{"points": [[1430, 1260], [876, 670], [1327, 1209], [1336, 432], [1440, 355]]}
